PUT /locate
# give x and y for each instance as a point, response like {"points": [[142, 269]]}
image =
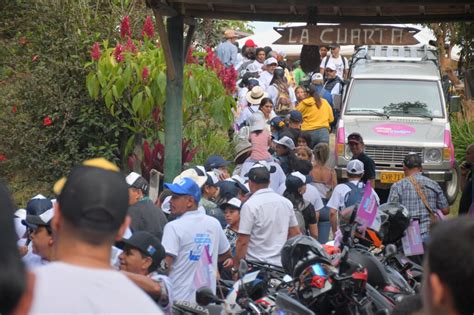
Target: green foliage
{"points": [[47, 120], [462, 132], [210, 139], [132, 84], [210, 32]]}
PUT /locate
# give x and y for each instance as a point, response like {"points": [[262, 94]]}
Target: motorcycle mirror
{"points": [[287, 279], [204, 296], [243, 268], [390, 250]]}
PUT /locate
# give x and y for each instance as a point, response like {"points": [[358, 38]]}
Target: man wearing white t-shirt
{"points": [[90, 214], [267, 220], [355, 171], [194, 242], [339, 62], [267, 75]]}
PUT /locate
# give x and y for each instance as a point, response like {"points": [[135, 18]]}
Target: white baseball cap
{"points": [[355, 167], [270, 61]]}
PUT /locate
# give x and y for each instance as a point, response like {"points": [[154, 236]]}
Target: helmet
{"points": [[314, 280], [396, 220], [302, 251]]}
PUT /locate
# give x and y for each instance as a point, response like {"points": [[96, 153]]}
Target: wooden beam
{"points": [[189, 39], [164, 40], [324, 18], [162, 6], [174, 101], [323, 3]]}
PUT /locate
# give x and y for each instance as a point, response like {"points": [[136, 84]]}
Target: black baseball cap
{"points": [[38, 204], [94, 195], [215, 161], [148, 244], [35, 221], [260, 172], [135, 180], [355, 137], [412, 160], [296, 116]]}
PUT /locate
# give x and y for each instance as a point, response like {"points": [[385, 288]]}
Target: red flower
{"points": [[14, 109], [145, 73], [148, 28], [47, 121], [190, 58], [35, 58], [118, 52], [125, 27], [130, 46], [95, 52], [3, 157]]}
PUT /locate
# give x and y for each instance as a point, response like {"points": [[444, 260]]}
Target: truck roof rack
{"points": [[395, 53]]}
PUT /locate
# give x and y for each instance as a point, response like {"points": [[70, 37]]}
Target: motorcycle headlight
{"points": [[433, 156], [347, 152]]}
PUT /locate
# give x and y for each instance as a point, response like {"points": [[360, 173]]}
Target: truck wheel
{"points": [[451, 188]]}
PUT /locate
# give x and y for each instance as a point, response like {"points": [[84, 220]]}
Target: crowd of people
{"points": [[101, 245]]}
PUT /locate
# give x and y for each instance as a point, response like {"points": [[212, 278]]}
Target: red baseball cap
{"points": [[250, 43]]}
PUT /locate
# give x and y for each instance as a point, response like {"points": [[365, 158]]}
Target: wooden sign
{"points": [[346, 34]]}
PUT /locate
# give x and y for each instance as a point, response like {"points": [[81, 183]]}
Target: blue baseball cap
{"points": [[215, 161], [296, 116], [186, 186]]}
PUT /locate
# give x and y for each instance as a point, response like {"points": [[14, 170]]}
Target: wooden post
{"points": [[174, 99]]}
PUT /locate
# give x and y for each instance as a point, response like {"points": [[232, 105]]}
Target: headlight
{"points": [[433, 155], [347, 152]]}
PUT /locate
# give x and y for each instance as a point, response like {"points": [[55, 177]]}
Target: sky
{"points": [[263, 26]]}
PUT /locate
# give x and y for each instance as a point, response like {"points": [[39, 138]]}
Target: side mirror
{"points": [[243, 268], [337, 101], [454, 104], [390, 250], [205, 296]]}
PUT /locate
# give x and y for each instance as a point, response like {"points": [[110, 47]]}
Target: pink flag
{"points": [[202, 277], [412, 242], [367, 211]]}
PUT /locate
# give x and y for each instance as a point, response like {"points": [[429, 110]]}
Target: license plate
{"points": [[391, 177]]}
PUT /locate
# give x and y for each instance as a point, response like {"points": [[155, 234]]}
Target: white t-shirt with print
{"points": [[311, 195], [340, 192], [184, 239], [62, 288], [338, 63], [266, 217]]}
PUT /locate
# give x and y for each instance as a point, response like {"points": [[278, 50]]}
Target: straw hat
{"points": [[230, 34], [256, 95]]}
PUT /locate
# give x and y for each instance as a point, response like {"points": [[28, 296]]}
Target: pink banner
{"points": [[412, 242], [202, 277], [394, 130], [367, 211]]}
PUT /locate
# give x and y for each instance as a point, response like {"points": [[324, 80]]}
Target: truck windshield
{"points": [[408, 98]]}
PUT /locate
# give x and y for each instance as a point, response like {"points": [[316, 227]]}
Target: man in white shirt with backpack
{"points": [[341, 193], [340, 62]]}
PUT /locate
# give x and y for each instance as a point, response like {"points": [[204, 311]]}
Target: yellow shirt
{"points": [[314, 117]]}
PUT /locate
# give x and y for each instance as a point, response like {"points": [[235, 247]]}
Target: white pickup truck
{"points": [[394, 98]]}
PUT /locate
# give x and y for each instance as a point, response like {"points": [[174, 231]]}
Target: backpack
{"points": [[299, 216], [283, 101], [354, 196]]}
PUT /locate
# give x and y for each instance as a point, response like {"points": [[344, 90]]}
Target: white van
{"points": [[395, 100]]}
